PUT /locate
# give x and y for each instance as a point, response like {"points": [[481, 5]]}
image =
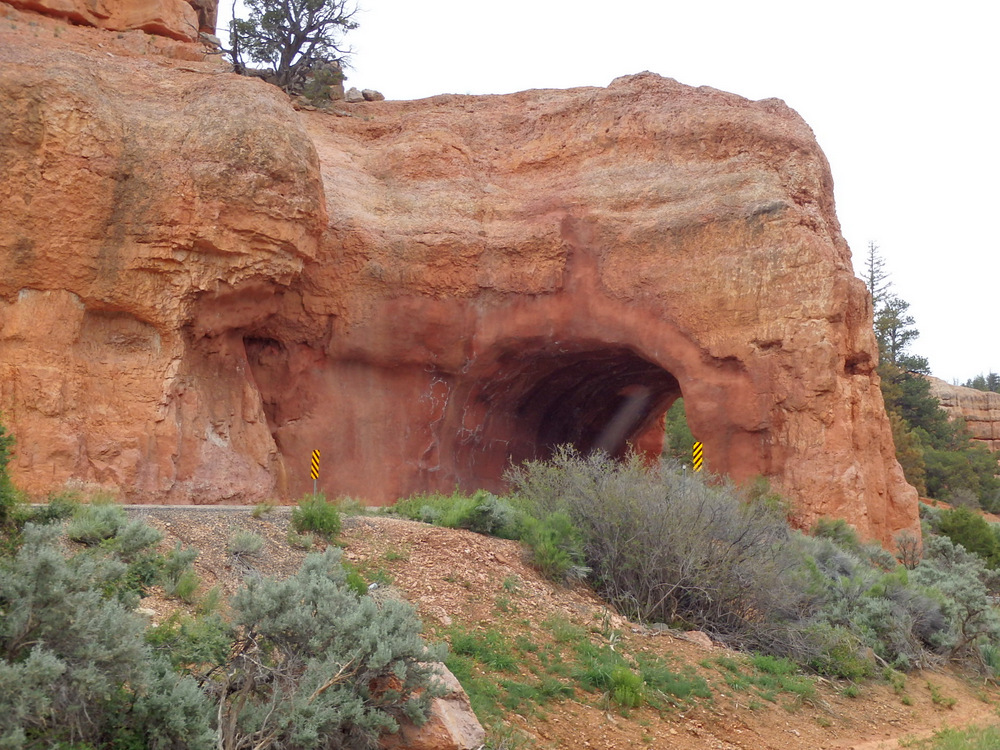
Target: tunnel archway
{"points": [[529, 400]]}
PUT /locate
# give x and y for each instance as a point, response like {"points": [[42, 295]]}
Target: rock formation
{"points": [[979, 409], [452, 724], [177, 19], [200, 285]]}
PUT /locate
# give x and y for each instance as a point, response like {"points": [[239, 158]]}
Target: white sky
{"points": [[902, 97]]}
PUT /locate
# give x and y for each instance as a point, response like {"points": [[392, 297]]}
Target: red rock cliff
{"points": [[199, 285], [979, 409]]}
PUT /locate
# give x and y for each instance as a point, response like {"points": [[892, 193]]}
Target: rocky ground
{"points": [[464, 582]]}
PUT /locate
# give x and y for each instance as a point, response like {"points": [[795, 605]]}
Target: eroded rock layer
{"points": [[979, 409], [199, 286]]}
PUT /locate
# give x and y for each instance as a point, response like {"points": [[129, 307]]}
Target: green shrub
{"points": [[315, 514], [482, 512], [74, 666], [659, 677], [193, 645], [968, 528], [299, 541], [185, 587], [487, 514], [838, 531], [964, 587], [8, 496], [176, 562], [556, 546], [314, 664], [665, 545], [59, 507], [626, 687], [262, 509], [94, 523], [245, 544], [133, 541]]}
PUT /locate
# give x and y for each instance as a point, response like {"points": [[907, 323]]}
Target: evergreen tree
{"points": [[294, 37], [678, 440], [937, 454], [876, 277], [990, 382]]}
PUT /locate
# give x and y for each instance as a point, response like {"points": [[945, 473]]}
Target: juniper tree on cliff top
{"points": [[292, 36]]}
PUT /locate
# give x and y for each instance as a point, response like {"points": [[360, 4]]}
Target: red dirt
{"points": [[458, 578]]}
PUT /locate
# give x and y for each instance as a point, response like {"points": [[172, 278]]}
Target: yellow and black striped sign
{"points": [[314, 465], [698, 454]]}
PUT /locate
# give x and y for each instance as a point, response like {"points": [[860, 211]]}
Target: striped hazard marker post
{"points": [[698, 455], [314, 468]]}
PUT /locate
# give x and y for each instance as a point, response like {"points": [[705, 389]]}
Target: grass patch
{"points": [[940, 699], [683, 686], [970, 738], [314, 514], [563, 630], [489, 648], [262, 509]]}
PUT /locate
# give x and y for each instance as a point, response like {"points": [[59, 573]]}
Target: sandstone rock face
{"points": [[979, 409], [200, 286], [146, 210], [177, 19]]}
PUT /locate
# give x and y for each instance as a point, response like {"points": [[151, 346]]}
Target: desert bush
{"points": [[262, 509], [969, 529], [665, 545], [964, 586], [95, 522], [860, 606], [75, 668], [315, 514], [299, 541], [555, 546], [133, 541], [482, 512], [192, 645], [177, 576], [488, 514], [315, 665], [245, 544]]}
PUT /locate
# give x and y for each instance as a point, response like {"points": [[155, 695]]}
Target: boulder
{"points": [[370, 95], [353, 96], [452, 724]]}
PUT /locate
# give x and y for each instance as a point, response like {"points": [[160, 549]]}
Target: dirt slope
{"points": [[464, 582]]}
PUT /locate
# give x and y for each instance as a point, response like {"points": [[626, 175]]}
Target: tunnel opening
{"points": [[589, 396]]}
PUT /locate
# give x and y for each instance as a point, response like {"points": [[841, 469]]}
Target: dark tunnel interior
{"points": [[593, 397]]}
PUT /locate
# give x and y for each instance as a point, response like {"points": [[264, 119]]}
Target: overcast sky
{"points": [[902, 97]]}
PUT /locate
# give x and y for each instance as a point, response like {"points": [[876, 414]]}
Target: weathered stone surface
{"points": [[179, 318], [176, 19], [371, 95], [979, 409], [146, 211], [452, 724], [353, 96]]}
